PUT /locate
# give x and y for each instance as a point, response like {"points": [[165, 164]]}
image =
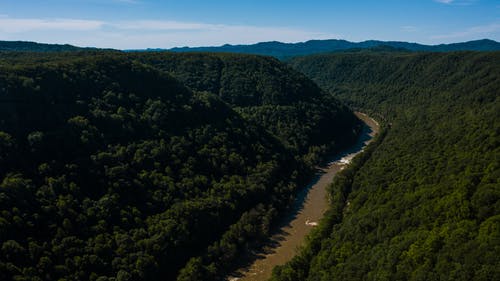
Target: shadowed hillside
{"points": [[267, 92], [112, 169]]}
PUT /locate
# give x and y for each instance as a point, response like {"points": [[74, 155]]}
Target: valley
{"points": [[196, 166], [306, 213]]}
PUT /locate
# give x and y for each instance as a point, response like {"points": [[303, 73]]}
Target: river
{"points": [[310, 205]]}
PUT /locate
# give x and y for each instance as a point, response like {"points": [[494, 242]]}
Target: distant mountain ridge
{"points": [[283, 50], [277, 49], [28, 46]]}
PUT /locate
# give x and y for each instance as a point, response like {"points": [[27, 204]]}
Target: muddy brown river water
{"points": [[309, 208]]}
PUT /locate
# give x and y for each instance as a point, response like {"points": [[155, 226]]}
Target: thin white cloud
{"points": [[136, 34], [409, 28], [15, 25], [160, 25], [127, 1], [483, 30], [457, 2], [172, 34]]}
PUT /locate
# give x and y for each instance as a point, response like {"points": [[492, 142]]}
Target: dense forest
{"points": [[267, 92], [425, 203], [121, 166]]}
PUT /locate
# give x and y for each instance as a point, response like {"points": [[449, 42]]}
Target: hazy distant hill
{"points": [[284, 50], [25, 46], [278, 49]]}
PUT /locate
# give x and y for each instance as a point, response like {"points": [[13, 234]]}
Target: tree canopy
{"points": [[426, 204], [112, 169]]}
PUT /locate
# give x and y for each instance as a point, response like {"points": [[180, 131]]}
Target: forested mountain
{"points": [[112, 169], [425, 204], [287, 50], [268, 93], [25, 46]]}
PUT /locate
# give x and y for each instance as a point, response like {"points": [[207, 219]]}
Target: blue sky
{"points": [[129, 24]]}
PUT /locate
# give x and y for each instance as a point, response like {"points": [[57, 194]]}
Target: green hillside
{"points": [[268, 93], [424, 204], [111, 169]]}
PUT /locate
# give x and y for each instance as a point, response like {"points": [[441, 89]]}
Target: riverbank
{"points": [[311, 203]]}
